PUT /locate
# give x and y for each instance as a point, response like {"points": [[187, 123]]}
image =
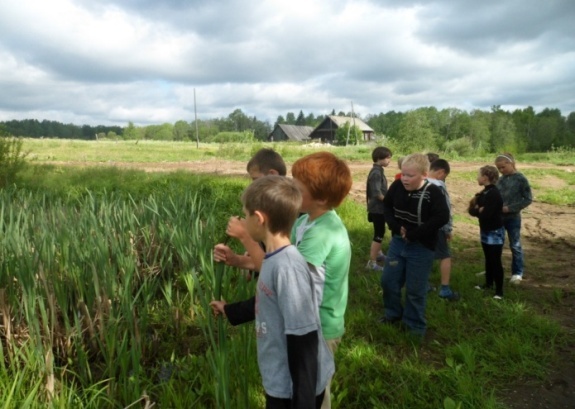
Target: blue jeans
{"points": [[512, 225], [407, 264]]}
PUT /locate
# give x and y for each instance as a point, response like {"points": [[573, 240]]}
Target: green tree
{"points": [[182, 131], [290, 118], [130, 131], [348, 134], [300, 119], [416, 133], [502, 130]]}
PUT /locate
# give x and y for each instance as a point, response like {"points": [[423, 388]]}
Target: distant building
{"points": [[284, 132], [326, 130]]}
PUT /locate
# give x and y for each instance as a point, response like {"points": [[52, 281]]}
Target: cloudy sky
{"points": [[113, 61]]}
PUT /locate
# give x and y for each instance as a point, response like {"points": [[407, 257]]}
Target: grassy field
{"points": [[106, 274]]}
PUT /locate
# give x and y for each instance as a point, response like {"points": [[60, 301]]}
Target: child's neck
{"points": [[274, 242], [315, 213]]}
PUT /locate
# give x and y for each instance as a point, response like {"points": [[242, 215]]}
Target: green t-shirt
{"points": [[324, 243]]}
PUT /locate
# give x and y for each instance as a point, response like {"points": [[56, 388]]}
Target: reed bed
{"points": [[90, 286]]}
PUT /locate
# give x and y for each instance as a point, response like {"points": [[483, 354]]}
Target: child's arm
{"points": [[237, 313], [524, 197], [388, 210], [237, 229], [223, 253], [302, 353]]}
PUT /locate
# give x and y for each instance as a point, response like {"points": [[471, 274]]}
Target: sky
{"points": [[110, 62]]}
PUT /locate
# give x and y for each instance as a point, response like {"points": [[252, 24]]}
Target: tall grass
{"points": [[106, 277]]}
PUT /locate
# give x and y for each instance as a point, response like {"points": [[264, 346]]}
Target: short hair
{"points": [[267, 159], [381, 152], [505, 157], [432, 157], [400, 161], [276, 196], [491, 172], [325, 176], [419, 160], [440, 164]]}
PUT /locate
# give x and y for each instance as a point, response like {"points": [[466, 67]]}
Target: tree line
{"points": [[521, 130]]}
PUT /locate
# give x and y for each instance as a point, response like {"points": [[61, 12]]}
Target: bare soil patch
{"points": [[548, 238]]}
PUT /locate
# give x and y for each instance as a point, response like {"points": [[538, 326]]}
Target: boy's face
{"points": [[505, 167], [384, 162], [253, 225], [255, 173], [307, 201], [483, 180], [411, 177]]}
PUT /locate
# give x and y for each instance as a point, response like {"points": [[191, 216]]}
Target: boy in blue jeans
{"points": [[414, 210]]}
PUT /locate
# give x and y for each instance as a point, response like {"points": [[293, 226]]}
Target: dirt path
{"points": [[548, 238]]}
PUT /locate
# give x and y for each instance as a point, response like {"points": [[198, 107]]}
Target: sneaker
{"points": [[497, 297], [373, 266], [450, 296], [515, 279], [380, 258], [481, 273]]}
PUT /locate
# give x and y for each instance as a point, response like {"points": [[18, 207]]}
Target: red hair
{"points": [[325, 176]]}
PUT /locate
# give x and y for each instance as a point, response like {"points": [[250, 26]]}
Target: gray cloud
{"points": [[114, 61]]}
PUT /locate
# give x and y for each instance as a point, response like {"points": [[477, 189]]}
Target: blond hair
{"points": [[418, 160]]}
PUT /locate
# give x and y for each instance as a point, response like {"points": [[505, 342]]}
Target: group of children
{"points": [[303, 267], [302, 260], [417, 209]]}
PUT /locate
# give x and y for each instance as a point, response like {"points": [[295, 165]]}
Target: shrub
{"points": [[12, 158]]}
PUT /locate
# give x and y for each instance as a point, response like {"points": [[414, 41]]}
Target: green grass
{"points": [[474, 347]]}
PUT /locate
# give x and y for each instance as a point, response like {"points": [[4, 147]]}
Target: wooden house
{"points": [[285, 132], [326, 130]]}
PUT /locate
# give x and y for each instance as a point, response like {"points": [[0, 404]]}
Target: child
{"points": [[264, 162], [432, 157], [375, 191], [516, 193], [414, 210], [438, 172], [321, 237], [487, 206], [294, 360]]}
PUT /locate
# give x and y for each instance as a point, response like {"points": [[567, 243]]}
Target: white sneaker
{"points": [[497, 297], [515, 279], [481, 273]]}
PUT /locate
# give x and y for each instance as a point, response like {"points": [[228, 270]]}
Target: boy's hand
{"points": [[505, 209], [237, 228], [223, 253], [218, 308], [403, 232]]}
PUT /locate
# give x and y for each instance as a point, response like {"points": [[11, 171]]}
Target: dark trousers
{"points": [[493, 266], [278, 403]]}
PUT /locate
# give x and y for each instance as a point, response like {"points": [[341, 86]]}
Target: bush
{"points": [[12, 159]]}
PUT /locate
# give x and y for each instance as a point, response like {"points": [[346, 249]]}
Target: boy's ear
{"points": [[260, 216]]}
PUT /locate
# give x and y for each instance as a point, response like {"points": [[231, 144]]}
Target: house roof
{"points": [[296, 132], [341, 120]]}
